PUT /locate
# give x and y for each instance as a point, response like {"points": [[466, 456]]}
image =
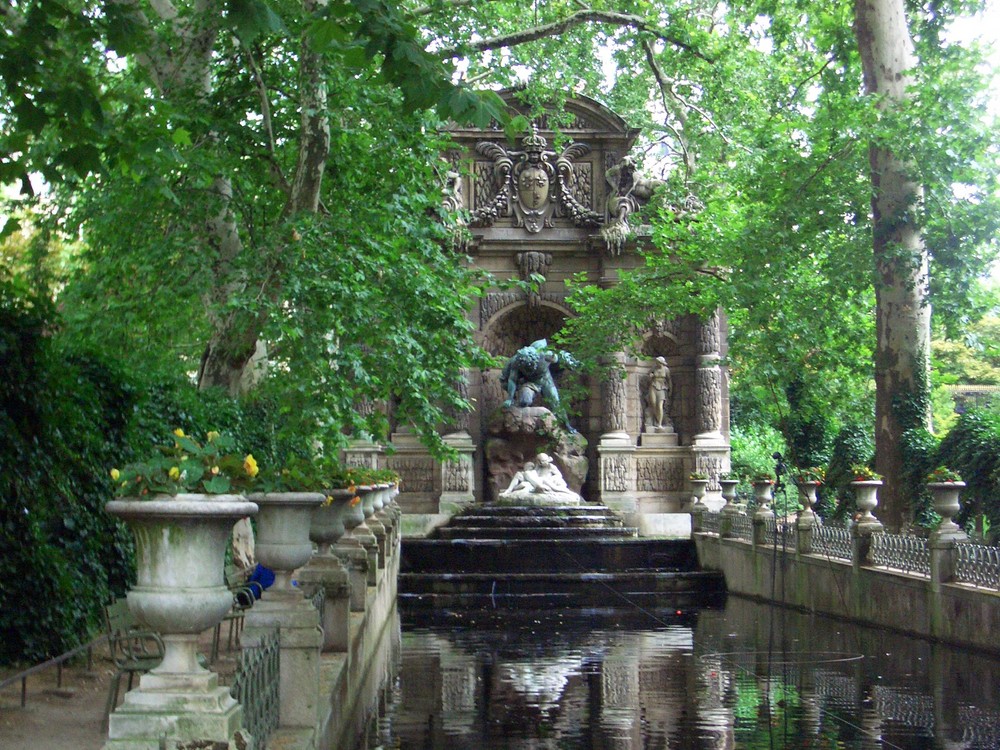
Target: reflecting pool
{"points": [[744, 676]]}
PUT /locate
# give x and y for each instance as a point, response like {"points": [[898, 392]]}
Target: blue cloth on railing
{"points": [[262, 577]]}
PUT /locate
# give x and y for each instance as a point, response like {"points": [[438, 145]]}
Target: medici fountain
{"points": [[542, 213]]}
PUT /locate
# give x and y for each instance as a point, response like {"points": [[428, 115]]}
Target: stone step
{"points": [[538, 510], [524, 521], [533, 556], [553, 534], [577, 598], [624, 582]]}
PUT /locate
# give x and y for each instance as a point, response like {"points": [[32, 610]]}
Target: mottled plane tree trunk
{"points": [[901, 282]]}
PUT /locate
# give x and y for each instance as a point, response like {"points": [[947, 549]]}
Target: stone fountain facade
{"points": [[545, 212]]}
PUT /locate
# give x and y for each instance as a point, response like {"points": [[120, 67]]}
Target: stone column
{"points": [[457, 476], [616, 465], [613, 407], [708, 384]]}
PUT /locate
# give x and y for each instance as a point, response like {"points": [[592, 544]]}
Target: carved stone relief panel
{"points": [[417, 472], [709, 399], [660, 474], [484, 182], [456, 475], [712, 467], [615, 473]]}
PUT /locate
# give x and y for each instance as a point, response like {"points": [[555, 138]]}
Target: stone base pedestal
{"points": [[300, 640], [202, 711], [654, 438], [328, 573], [458, 480], [355, 559], [617, 472]]}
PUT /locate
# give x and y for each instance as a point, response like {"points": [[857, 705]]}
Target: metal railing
{"points": [[901, 552], [256, 687], [978, 565], [710, 523], [57, 662], [742, 527], [832, 541]]}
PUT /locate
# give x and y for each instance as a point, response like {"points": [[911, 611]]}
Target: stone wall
{"points": [[929, 608]]}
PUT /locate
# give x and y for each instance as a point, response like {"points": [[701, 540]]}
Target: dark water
{"points": [[746, 676]]}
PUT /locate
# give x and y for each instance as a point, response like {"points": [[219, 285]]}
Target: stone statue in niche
{"points": [[539, 483], [529, 372], [627, 193], [659, 392]]}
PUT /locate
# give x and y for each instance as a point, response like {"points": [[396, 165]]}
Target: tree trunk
{"points": [[901, 283], [234, 358]]}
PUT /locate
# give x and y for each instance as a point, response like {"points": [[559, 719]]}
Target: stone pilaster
{"points": [[326, 572], [300, 639], [457, 476], [708, 384]]}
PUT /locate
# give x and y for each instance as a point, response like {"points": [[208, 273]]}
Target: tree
{"points": [[751, 114], [903, 315], [245, 172]]}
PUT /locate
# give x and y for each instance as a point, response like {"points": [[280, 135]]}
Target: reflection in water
{"points": [[750, 677]]}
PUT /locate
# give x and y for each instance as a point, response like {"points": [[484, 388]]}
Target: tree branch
{"points": [[581, 17], [265, 111], [665, 91], [15, 20]]}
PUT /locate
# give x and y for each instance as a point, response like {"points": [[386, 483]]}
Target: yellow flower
{"points": [[215, 471], [328, 500], [174, 473], [250, 466], [212, 435], [115, 474], [179, 432]]}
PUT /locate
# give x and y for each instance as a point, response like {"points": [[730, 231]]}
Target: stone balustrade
{"points": [[941, 587]]}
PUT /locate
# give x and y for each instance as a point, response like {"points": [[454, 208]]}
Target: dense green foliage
{"points": [[972, 449], [63, 416], [67, 416]]}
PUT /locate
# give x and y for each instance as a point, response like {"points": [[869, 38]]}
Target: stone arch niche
{"points": [[562, 200]]}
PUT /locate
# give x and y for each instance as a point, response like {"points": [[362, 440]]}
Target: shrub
{"points": [[972, 449], [853, 445]]}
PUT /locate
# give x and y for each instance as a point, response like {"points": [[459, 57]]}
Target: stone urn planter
{"points": [[762, 490], [283, 543], [946, 505], [698, 488], [180, 591], [327, 523], [866, 498], [729, 491], [807, 497]]}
